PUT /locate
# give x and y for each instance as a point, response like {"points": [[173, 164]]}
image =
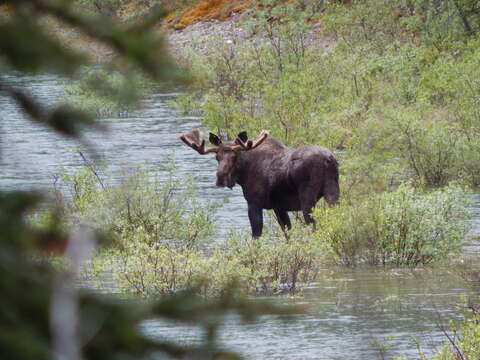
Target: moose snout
{"points": [[224, 179]]}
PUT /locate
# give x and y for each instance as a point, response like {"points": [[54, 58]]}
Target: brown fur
{"points": [[273, 176]]}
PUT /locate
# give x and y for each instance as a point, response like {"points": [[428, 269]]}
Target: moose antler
{"points": [[193, 139], [242, 140]]}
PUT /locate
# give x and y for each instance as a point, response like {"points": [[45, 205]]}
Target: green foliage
{"points": [[403, 227], [277, 262], [148, 271], [160, 239], [37, 50], [399, 83], [463, 338], [433, 150], [146, 207], [272, 264], [103, 93]]}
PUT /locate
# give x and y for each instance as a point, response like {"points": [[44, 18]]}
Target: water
{"points": [[31, 155], [347, 311], [346, 308]]}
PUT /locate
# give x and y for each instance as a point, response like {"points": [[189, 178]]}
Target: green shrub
{"points": [[272, 264], [103, 92], [397, 87], [463, 340], [403, 227], [433, 151], [277, 262], [161, 239], [146, 270], [160, 208]]}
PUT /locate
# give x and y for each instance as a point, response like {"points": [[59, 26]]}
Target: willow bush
{"points": [[277, 262], [404, 227], [162, 239], [156, 207], [272, 264], [397, 85]]}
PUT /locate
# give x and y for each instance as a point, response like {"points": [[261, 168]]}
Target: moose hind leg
{"points": [[332, 192], [283, 218], [308, 198], [255, 215]]}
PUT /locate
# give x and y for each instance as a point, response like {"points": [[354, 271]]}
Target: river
{"points": [[348, 309]]}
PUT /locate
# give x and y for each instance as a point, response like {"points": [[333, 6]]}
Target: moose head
{"points": [[226, 153]]}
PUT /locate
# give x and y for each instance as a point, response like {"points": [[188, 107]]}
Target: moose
{"points": [[272, 175]]}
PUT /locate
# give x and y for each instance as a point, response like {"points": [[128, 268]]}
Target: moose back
{"points": [[272, 175]]}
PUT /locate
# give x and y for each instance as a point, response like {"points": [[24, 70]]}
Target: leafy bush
{"points": [[157, 225], [158, 208], [146, 270], [433, 151], [277, 261], [403, 227], [103, 92], [463, 339], [272, 264], [398, 84], [161, 239], [149, 270]]}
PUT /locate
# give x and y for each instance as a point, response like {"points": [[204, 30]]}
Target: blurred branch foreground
{"points": [[42, 314]]}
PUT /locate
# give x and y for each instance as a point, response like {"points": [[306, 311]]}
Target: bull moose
{"points": [[272, 175]]}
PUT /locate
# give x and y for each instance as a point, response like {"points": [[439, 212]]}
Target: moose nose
{"points": [[222, 178]]}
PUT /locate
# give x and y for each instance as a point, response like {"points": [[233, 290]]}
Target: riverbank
{"points": [[197, 35]]}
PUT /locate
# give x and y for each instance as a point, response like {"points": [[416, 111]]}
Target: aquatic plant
{"points": [[277, 262]]}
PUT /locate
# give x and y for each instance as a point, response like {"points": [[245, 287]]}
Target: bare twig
{"points": [[91, 168]]}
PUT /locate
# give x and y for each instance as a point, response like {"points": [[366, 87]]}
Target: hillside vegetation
{"points": [[397, 96]]}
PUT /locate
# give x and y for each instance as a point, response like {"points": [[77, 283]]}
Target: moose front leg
{"points": [[255, 214]]}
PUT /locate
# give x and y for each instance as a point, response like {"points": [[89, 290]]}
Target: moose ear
{"points": [[243, 136], [214, 139]]}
